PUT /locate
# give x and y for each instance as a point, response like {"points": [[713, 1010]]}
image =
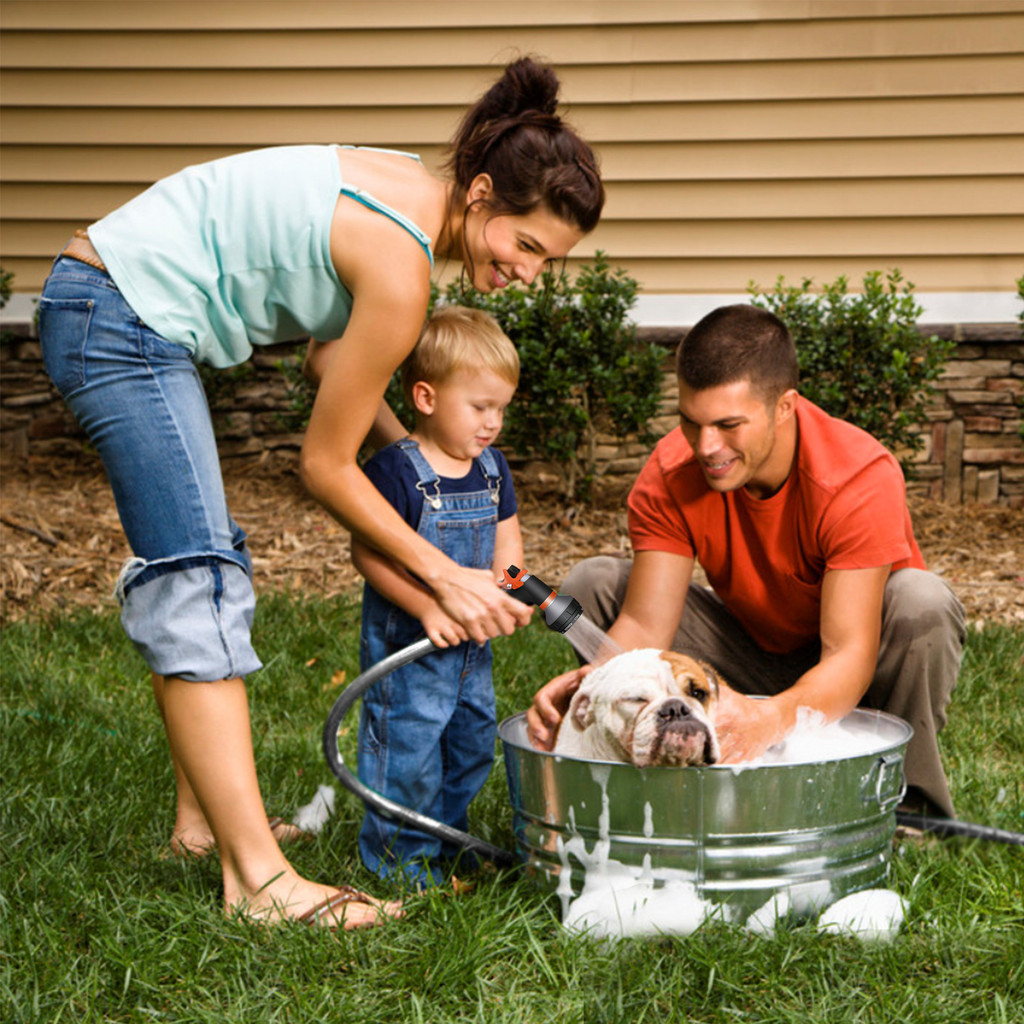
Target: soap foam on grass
{"points": [[618, 901]]}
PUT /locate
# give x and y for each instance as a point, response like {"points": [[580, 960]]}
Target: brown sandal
{"points": [[345, 894]]}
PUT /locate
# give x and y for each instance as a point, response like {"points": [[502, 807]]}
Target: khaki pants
{"points": [[918, 661]]}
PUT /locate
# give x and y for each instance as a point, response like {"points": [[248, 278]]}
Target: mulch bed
{"points": [[63, 546]]}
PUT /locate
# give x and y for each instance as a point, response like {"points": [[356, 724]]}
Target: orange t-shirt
{"points": [[842, 507]]}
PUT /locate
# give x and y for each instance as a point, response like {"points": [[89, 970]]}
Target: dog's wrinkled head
{"points": [[645, 707]]}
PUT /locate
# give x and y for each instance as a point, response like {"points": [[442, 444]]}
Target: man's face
{"points": [[733, 433]]}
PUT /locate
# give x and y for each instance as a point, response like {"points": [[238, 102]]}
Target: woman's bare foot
{"points": [[192, 843], [291, 898], [285, 832], [197, 841], [351, 909]]}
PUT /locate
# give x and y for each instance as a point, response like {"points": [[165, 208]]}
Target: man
{"points": [[818, 598]]}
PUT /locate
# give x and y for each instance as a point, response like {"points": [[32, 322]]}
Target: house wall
{"points": [[973, 441], [739, 140]]}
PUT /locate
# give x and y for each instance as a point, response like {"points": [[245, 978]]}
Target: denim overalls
{"points": [[427, 730]]}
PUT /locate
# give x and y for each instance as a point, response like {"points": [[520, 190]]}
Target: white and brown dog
{"points": [[645, 707]]}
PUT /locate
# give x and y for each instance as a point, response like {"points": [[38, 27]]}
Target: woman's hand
{"points": [[550, 704], [473, 599]]}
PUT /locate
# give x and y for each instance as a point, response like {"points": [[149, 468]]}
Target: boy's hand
{"points": [[442, 629]]}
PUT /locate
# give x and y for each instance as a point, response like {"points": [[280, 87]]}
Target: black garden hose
{"points": [[381, 804], [947, 827]]}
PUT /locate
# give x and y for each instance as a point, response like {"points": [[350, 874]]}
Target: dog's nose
{"points": [[673, 710]]}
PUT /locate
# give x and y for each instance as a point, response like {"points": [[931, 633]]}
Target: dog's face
{"points": [[647, 708]]}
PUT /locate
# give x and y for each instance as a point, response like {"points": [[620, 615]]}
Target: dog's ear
{"points": [[581, 710]]}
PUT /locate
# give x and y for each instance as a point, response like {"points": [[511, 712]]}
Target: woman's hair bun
{"points": [[514, 135], [526, 85]]}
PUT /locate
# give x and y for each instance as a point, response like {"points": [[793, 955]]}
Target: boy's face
{"points": [[463, 415]]}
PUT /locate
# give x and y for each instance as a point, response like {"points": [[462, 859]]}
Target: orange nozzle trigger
{"points": [[511, 582]]}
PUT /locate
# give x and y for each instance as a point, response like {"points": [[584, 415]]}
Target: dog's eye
{"points": [[698, 694]]}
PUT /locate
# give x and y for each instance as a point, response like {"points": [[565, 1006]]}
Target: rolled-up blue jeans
{"points": [[186, 597]]}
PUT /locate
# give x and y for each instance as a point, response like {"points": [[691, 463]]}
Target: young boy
{"points": [[427, 731]]}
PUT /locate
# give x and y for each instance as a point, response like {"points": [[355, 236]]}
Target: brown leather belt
{"points": [[80, 248]]}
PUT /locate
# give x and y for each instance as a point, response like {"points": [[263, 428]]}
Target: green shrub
{"points": [[862, 357], [583, 370]]}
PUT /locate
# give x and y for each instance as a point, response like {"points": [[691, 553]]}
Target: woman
{"points": [[336, 243]]}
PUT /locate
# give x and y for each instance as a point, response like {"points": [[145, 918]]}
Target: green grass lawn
{"points": [[96, 926]]}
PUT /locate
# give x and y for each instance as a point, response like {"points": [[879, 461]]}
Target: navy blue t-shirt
{"points": [[393, 474]]}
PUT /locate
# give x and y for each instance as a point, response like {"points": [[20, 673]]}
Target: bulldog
{"points": [[645, 707]]}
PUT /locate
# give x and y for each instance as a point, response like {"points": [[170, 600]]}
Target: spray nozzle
{"points": [[560, 610]]}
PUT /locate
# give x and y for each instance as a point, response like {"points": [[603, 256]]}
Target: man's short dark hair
{"points": [[740, 342]]}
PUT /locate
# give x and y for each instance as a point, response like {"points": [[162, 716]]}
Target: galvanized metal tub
{"points": [[815, 831]]}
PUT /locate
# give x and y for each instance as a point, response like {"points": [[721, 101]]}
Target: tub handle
{"points": [[888, 783]]}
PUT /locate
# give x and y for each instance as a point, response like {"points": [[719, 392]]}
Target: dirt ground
{"points": [[63, 546]]}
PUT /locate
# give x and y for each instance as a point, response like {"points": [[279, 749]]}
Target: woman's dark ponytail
{"points": [[514, 135]]}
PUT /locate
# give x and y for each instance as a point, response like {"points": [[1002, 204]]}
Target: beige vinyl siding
{"points": [[739, 139]]}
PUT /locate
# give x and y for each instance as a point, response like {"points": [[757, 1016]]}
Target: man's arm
{"points": [[649, 617], [654, 601], [851, 626]]}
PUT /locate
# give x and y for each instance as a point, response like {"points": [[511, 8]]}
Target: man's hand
{"points": [[746, 727], [550, 703]]}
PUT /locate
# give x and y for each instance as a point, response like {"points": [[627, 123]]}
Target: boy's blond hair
{"points": [[459, 338]]}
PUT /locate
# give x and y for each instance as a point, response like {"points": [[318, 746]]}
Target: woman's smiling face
{"points": [[500, 248]]}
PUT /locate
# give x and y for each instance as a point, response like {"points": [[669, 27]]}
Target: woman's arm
{"points": [[390, 300], [397, 586], [386, 425]]}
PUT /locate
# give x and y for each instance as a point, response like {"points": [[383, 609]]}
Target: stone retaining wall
{"points": [[974, 449]]}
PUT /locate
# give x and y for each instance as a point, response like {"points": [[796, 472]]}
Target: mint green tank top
{"points": [[234, 253]]}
